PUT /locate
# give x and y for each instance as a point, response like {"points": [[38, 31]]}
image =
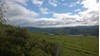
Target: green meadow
{"points": [[16, 41], [74, 45]]}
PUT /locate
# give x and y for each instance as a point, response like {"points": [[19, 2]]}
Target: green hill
{"points": [[79, 30], [16, 41]]}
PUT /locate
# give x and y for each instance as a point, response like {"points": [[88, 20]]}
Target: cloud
{"points": [[67, 18], [77, 10], [61, 15], [53, 2], [22, 2], [83, 18], [90, 5], [20, 15], [70, 4], [44, 10], [37, 2], [18, 10], [91, 15], [40, 22], [78, 2]]}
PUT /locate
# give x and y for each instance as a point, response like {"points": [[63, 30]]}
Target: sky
{"points": [[52, 13]]}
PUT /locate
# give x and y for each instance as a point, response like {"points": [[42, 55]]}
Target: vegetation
{"points": [[78, 30], [16, 41], [74, 45], [2, 10]]}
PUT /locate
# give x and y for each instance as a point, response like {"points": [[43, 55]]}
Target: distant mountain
{"points": [[79, 30]]}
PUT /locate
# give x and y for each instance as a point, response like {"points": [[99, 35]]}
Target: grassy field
{"points": [[20, 41], [73, 45]]}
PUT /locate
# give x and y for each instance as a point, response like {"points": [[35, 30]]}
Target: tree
{"points": [[2, 18]]}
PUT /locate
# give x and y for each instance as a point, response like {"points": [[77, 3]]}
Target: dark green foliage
{"points": [[12, 41], [15, 41]]}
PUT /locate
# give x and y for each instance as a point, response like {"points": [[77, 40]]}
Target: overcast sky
{"points": [[52, 13]]}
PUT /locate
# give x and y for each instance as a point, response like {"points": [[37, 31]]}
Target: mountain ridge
{"points": [[78, 30]]}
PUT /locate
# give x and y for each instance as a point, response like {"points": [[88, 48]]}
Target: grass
{"points": [[74, 45], [69, 45]]}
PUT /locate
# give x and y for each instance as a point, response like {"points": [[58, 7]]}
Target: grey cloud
{"points": [[18, 15]]}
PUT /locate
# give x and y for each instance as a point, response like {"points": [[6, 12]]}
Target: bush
{"points": [[18, 42]]}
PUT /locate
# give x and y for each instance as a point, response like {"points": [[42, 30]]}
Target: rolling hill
{"points": [[79, 30]]}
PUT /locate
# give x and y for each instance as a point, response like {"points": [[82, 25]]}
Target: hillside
{"points": [[15, 41], [79, 30]]}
